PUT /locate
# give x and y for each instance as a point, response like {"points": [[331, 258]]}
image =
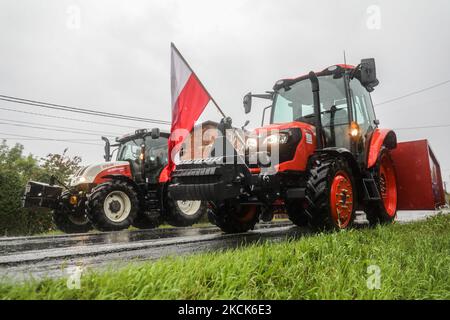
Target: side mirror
{"points": [[155, 133], [107, 155], [369, 74], [248, 102]]}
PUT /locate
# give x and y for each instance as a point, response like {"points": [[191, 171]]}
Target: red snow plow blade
{"points": [[419, 180]]}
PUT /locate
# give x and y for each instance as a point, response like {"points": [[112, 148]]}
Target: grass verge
{"points": [[413, 262]]}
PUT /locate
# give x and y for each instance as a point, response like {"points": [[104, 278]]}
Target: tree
{"points": [[59, 165], [16, 169]]}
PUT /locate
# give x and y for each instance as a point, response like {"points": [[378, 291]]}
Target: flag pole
{"points": [[210, 96]]}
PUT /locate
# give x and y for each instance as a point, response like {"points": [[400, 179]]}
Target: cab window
{"points": [[362, 106]]}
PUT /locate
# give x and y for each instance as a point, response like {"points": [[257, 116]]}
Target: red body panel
{"points": [[123, 170], [304, 150], [419, 180], [376, 143]]}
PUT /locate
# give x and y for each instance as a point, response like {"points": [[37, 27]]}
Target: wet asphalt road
{"points": [[41, 256]]}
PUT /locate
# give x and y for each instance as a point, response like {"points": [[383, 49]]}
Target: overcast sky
{"points": [[115, 56]]}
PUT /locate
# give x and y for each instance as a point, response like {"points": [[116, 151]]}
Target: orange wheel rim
{"points": [[341, 199], [388, 185]]}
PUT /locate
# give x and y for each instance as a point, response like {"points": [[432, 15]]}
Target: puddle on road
{"points": [[126, 236]]}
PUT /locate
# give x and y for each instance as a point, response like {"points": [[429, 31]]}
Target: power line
{"points": [[50, 139], [63, 127], [425, 127], [413, 93], [54, 106], [40, 139], [50, 129], [67, 118]]}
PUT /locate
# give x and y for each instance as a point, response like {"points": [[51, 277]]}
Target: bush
{"points": [[15, 171]]}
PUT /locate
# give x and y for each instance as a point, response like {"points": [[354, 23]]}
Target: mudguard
{"points": [[380, 138], [343, 152]]}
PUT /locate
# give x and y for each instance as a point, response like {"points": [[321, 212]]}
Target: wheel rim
{"points": [[388, 185], [341, 199], [189, 208], [117, 206]]}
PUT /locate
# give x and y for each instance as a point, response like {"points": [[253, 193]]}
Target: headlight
{"points": [[280, 138]]}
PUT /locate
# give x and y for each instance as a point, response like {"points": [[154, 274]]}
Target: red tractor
{"points": [[332, 158], [114, 195]]}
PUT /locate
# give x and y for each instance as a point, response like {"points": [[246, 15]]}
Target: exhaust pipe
{"points": [[316, 100]]}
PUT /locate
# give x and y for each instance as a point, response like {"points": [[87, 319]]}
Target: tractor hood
{"points": [[293, 141], [288, 127], [96, 173]]}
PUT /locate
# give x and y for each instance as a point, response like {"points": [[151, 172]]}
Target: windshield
{"points": [[295, 103], [155, 150], [129, 150]]}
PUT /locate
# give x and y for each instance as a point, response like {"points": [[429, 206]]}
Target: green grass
{"points": [[414, 261]]}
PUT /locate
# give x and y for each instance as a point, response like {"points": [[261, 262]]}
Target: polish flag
{"points": [[189, 99]]}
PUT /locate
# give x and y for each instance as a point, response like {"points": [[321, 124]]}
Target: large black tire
{"points": [[232, 217], [296, 213], [323, 177], [184, 213], [381, 212], [143, 222], [121, 200], [67, 221]]}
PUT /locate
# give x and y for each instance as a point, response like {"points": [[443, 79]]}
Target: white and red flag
{"points": [[189, 99]]}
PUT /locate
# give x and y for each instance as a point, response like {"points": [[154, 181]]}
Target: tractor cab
{"points": [[335, 103], [145, 151]]}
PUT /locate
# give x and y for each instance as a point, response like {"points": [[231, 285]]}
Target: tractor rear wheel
{"points": [[67, 221], [112, 206], [331, 195], [233, 217], [184, 213], [383, 211]]}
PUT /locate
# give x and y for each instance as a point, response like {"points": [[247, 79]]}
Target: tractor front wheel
{"points": [[383, 211], [184, 213], [112, 206], [331, 195], [296, 213], [232, 217], [68, 221]]}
